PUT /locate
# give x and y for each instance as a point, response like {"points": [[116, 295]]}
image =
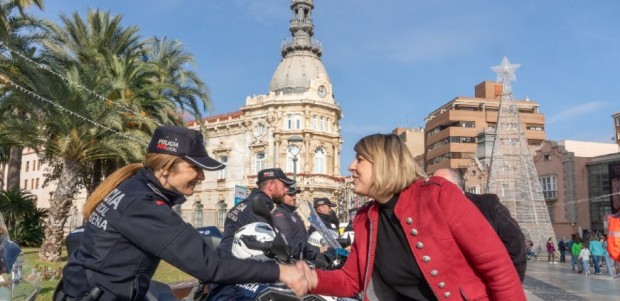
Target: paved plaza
{"points": [[544, 281]]}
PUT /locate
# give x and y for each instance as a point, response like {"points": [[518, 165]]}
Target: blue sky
{"points": [[393, 62]]}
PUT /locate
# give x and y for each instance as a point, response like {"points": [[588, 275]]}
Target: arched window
{"points": [[259, 161], [292, 155], [320, 162]]}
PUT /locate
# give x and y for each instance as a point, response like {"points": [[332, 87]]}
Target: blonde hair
{"points": [[394, 168], [152, 161]]}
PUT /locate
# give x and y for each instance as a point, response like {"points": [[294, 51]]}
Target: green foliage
{"points": [[32, 231], [22, 218]]}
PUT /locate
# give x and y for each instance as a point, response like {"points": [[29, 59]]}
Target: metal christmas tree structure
{"points": [[512, 175]]}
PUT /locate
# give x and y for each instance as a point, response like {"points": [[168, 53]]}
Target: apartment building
{"points": [[451, 131]]}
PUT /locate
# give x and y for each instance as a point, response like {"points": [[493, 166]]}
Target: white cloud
{"points": [[571, 112]]}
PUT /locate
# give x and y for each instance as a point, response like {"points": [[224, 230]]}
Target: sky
{"points": [[391, 63]]}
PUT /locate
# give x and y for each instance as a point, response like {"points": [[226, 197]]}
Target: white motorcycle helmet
{"points": [[259, 232], [317, 240]]}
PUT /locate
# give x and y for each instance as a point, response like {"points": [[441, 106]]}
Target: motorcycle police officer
{"points": [[272, 185], [289, 223], [131, 227], [328, 216]]}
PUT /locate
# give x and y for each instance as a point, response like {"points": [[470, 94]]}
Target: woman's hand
{"points": [[310, 275], [294, 276]]}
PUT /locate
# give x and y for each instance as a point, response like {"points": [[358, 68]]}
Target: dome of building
{"points": [[301, 63], [295, 72]]}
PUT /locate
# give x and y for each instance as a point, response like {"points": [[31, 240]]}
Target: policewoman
{"points": [[131, 227]]}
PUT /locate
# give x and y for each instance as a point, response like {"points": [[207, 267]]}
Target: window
{"points": [[433, 131], [618, 121], [260, 130], [320, 162], [549, 187], [292, 121], [27, 165], [323, 123], [551, 213], [547, 157], [25, 184], [37, 186], [222, 172], [329, 125], [535, 127], [315, 122], [474, 189], [290, 159], [468, 124], [259, 161]]}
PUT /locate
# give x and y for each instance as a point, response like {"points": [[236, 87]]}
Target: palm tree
{"points": [[113, 93], [7, 15], [22, 218], [15, 205], [186, 90], [17, 30], [82, 129]]}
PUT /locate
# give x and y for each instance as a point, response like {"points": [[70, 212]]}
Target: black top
{"points": [[505, 226], [396, 273], [239, 216], [328, 220], [562, 245], [288, 222], [131, 230]]}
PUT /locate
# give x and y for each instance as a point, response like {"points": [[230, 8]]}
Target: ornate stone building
{"points": [[295, 126]]}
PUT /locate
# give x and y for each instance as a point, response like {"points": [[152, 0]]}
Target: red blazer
{"points": [[459, 254]]}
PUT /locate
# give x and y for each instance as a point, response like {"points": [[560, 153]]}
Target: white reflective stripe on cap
{"points": [[217, 167]]}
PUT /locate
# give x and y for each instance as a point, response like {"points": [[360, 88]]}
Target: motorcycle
{"points": [[262, 241], [14, 285]]}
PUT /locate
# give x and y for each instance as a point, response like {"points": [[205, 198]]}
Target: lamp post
{"points": [[198, 215], [221, 208], [294, 147]]}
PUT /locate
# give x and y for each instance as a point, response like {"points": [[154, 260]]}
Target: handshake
{"points": [[299, 277]]}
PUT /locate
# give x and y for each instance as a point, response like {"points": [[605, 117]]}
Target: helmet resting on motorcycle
{"points": [[316, 239], [249, 237]]}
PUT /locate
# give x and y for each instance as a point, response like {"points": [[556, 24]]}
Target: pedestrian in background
{"points": [[550, 250], [584, 256], [608, 262], [562, 247], [596, 251], [575, 251]]}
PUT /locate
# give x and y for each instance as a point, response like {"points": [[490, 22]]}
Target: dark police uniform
{"points": [[327, 221], [239, 216], [288, 222], [131, 230]]}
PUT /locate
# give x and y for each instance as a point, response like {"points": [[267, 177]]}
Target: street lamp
{"points": [[221, 208], [198, 214], [294, 147]]}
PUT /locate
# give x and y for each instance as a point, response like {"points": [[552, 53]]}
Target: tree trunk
{"points": [[60, 206], [15, 165]]}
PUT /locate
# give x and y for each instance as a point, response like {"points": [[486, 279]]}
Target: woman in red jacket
{"points": [[420, 239]]}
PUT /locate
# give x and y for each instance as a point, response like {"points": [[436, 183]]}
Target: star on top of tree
{"points": [[506, 70]]}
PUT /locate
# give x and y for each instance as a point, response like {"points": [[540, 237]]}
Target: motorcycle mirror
{"points": [[260, 209], [280, 248]]}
